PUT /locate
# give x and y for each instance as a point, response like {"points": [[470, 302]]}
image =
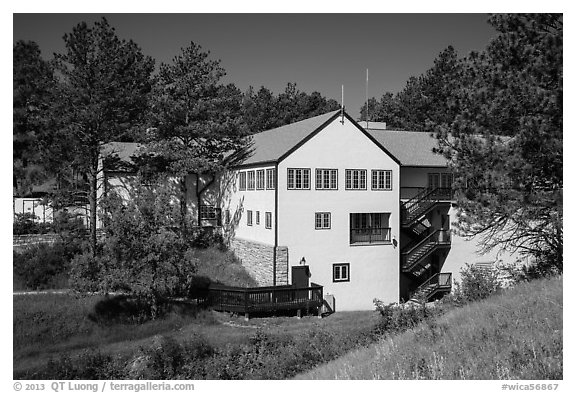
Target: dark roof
{"points": [[409, 147], [271, 145]]}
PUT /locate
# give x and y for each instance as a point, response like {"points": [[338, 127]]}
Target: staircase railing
{"points": [[438, 237], [437, 282], [428, 195]]}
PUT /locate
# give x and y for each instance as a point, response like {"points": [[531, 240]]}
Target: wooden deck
{"points": [[264, 299]]}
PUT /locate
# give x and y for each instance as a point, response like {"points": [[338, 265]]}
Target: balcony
{"points": [[370, 235]]}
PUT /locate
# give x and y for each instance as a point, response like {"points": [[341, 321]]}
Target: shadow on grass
{"points": [[124, 309]]}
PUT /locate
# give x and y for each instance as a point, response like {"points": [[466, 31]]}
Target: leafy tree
{"points": [[505, 144], [196, 120], [142, 253], [102, 92], [32, 84], [259, 110], [263, 111], [425, 100]]}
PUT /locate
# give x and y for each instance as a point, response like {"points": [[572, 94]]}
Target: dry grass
{"points": [[515, 335]]}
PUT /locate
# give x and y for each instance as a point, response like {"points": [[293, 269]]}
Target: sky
{"points": [[318, 52]]}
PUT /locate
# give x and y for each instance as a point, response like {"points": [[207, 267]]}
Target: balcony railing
{"points": [[369, 235], [411, 192]]}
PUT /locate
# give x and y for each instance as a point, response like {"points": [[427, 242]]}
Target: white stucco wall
{"points": [[374, 269], [239, 202], [465, 251]]}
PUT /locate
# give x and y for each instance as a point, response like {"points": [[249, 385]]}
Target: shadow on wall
{"points": [[228, 187]]}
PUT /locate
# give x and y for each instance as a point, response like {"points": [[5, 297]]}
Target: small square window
{"points": [[341, 272], [322, 220]]}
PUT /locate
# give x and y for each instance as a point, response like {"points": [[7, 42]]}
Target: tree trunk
{"points": [[183, 207], [92, 199]]}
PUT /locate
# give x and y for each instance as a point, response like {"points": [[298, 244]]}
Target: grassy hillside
{"points": [[514, 335]]}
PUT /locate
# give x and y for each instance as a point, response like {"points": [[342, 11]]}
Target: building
{"points": [[362, 211]]}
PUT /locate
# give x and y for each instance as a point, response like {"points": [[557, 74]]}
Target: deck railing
{"points": [[370, 235], [264, 299]]}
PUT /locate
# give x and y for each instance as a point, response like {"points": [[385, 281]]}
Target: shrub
{"points": [[208, 237], [396, 318], [165, 358], [88, 365], [25, 224], [477, 283], [44, 266]]}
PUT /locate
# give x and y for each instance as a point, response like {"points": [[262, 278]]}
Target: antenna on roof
{"points": [[342, 106], [367, 111]]}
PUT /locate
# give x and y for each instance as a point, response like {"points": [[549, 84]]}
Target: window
{"points": [[442, 183], [268, 218], [211, 213], [355, 179], [381, 179], [270, 179], [227, 217], [249, 218], [257, 217], [369, 228], [322, 221], [298, 178], [250, 180], [260, 179], [242, 181], [340, 272], [326, 179]]}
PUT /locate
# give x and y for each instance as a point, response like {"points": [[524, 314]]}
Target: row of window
{"points": [[258, 180], [326, 179], [267, 219]]}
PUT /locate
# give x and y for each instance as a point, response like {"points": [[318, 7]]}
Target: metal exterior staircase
{"points": [[413, 209], [438, 283], [413, 254]]}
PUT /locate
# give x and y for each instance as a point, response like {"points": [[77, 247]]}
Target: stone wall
{"points": [[257, 259], [282, 265]]}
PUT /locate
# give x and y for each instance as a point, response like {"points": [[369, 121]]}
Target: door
{"points": [[300, 276]]}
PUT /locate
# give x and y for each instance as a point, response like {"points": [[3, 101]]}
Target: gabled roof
{"points": [[271, 145], [410, 148]]}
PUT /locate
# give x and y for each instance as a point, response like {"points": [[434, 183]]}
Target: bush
{"points": [[396, 318], [477, 283], [45, 266], [25, 224], [89, 365], [165, 358], [208, 237]]}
